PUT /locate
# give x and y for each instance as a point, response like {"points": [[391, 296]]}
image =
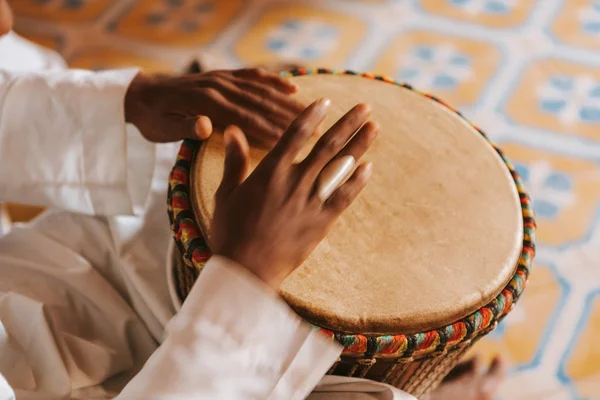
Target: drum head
{"points": [[436, 234]]}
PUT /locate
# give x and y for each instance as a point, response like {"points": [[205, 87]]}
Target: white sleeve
{"points": [[234, 339], [6, 392], [343, 388], [64, 142]]}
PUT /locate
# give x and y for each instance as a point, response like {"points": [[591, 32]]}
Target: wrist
{"points": [[264, 271], [272, 280], [132, 103], [256, 272]]}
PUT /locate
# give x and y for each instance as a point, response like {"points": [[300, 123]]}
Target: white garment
{"points": [[84, 295]]}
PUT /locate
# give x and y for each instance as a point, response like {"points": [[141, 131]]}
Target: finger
{"points": [[463, 369], [176, 127], [333, 176], [334, 140], [345, 194], [493, 378], [257, 129], [299, 132], [203, 127], [360, 143], [356, 147], [497, 367], [255, 126], [275, 109], [237, 161], [279, 67], [479, 367], [222, 112], [268, 93], [275, 81]]}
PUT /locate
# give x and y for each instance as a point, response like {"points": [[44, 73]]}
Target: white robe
{"points": [[86, 310]]}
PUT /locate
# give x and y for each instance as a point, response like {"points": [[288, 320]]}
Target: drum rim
{"points": [[192, 245]]}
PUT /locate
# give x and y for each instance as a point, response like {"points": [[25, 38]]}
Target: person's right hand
{"points": [[271, 221], [172, 108]]}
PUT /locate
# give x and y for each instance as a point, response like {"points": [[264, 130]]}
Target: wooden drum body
{"points": [[431, 256]]}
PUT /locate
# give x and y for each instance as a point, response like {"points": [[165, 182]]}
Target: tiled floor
{"points": [[526, 71]]}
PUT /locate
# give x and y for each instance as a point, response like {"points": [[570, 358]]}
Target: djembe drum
{"points": [[430, 257]]}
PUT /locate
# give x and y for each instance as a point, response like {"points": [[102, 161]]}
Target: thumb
{"points": [[175, 128], [237, 160], [202, 128]]}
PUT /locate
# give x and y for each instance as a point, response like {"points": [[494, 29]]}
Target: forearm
{"points": [[64, 142], [234, 338]]}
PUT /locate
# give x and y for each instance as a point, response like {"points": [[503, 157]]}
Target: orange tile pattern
{"points": [[526, 71], [193, 23], [472, 63]]}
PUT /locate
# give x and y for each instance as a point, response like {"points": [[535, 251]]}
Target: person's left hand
{"points": [[168, 109]]}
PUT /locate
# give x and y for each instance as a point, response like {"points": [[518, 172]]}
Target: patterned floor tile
{"points": [[62, 10], [564, 191], [519, 338], [558, 96], [578, 24], [583, 366], [177, 22], [494, 13], [456, 69], [106, 58], [293, 32]]}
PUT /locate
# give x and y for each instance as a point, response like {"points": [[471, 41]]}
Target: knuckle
{"points": [[299, 127], [249, 119], [269, 166], [212, 92], [270, 107], [263, 90], [355, 117], [254, 99], [219, 81], [342, 201], [343, 197], [247, 72], [332, 144], [272, 179]]}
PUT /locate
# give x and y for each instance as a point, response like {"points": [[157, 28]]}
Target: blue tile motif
{"points": [[573, 99], [550, 190], [302, 39], [484, 6], [435, 67]]}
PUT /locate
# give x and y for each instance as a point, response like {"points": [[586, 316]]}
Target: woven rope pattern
{"points": [[195, 253]]}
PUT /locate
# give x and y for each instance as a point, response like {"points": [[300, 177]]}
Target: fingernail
{"points": [[323, 103], [374, 131], [368, 170], [365, 108], [203, 127]]}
